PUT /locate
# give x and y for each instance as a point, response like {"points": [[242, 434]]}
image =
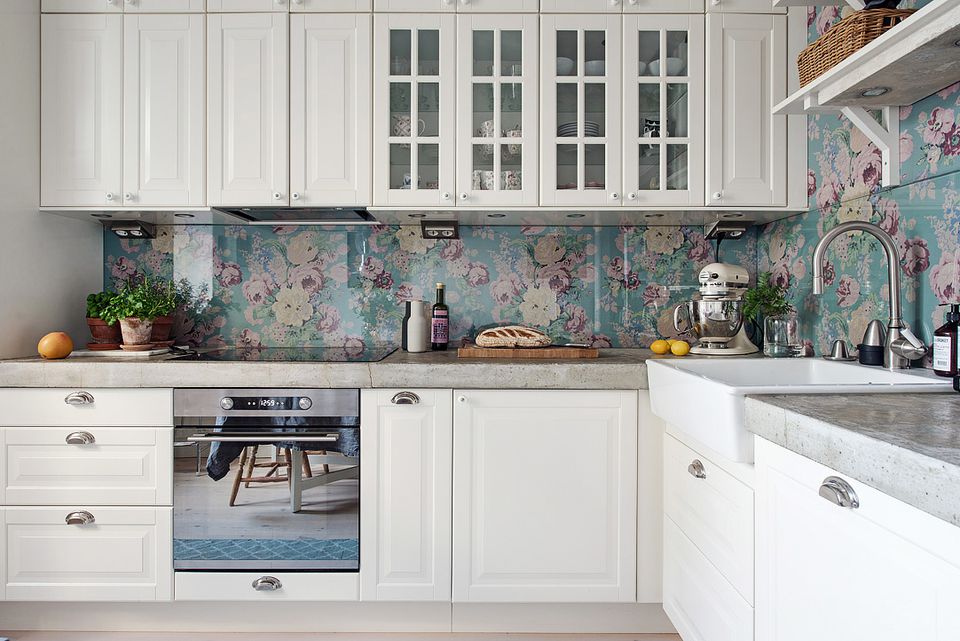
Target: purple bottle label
{"points": [[440, 327]]}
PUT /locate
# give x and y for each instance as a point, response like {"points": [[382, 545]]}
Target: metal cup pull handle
{"points": [[79, 398], [696, 469], [80, 438], [267, 584], [405, 398], [81, 517], [839, 492]]}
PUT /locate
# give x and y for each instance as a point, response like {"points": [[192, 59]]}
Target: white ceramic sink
{"points": [[704, 396]]}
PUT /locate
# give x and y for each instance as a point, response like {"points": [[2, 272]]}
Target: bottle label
{"points": [[440, 327], [941, 353]]}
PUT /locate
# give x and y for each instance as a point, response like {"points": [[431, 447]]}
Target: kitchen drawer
{"points": [[81, 6], [247, 6], [121, 466], [701, 603], [123, 555], [294, 586], [163, 6], [715, 512], [124, 407]]}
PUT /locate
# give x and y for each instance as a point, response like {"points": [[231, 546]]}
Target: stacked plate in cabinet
{"points": [[569, 129]]}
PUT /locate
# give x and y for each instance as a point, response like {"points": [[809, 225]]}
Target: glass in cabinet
{"points": [[663, 110], [498, 110], [414, 109], [581, 116]]}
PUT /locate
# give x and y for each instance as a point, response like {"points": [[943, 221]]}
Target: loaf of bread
{"points": [[512, 336]]}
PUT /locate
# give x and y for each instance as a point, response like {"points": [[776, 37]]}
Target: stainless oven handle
{"points": [[264, 438]]}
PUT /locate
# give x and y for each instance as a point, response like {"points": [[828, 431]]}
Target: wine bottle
{"points": [[440, 323]]}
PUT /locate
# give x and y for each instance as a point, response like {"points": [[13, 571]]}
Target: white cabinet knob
{"points": [[462, 399], [277, 195], [111, 2], [464, 195], [464, 2], [614, 3], [131, 2], [614, 195], [297, 1], [447, 2], [295, 195], [280, 2], [717, 195], [715, 3], [128, 196], [634, 2], [632, 195], [109, 196], [445, 195]]}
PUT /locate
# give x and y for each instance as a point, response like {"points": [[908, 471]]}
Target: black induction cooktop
{"points": [[347, 354]]}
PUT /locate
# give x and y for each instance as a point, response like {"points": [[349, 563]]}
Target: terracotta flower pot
{"points": [[103, 333], [136, 331], [162, 327]]}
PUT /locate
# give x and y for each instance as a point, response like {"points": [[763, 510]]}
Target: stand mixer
{"points": [[715, 318]]}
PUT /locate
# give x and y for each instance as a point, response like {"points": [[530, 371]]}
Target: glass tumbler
{"points": [[780, 337]]}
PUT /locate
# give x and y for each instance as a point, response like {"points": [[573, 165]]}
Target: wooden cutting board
{"points": [[472, 351]]}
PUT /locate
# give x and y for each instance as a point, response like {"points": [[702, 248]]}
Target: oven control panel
{"points": [[268, 403]]}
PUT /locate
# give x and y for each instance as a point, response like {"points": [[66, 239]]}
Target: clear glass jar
{"points": [[781, 338]]}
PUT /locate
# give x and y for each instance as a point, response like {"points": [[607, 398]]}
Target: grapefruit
{"points": [[55, 345]]}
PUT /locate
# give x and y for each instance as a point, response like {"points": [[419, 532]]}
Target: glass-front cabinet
{"points": [[581, 148], [498, 110], [663, 109], [414, 109]]}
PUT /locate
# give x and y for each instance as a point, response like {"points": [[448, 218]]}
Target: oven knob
{"points": [[305, 403], [226, 403]]}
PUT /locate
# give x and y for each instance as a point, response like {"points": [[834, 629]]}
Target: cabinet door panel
{"points": [[80, 111], [532, 524], [406, 498], [414, 6], [663, 6], [330, 109], [163, 6], [581, 6], [883, 571], [247, 109], [743, 6], [247, 6], [746, 143], [498, 6], [81, 6], [163, 96], [324, 6]]}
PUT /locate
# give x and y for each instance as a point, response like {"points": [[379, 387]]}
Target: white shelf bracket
{"points": [[885, 135], [856, 4]]}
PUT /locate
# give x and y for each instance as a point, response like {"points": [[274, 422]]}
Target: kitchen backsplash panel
{"points": [[923, 215], [292, 286]]}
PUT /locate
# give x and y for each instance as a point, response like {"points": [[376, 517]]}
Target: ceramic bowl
{"points": [[675, 66], [641, 68], [595, 67], [564, 66]]}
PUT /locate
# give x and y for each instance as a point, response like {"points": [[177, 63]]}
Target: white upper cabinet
{"points": [[545, 484], [580, 72], [746, 76], [323, 6], [163, 110], [497, 124], [130, 6], [663, 110], [163, 6], [414, 118], [583, 6], [663, 6], [330, 109], [247, 6], [80, 114], [415, 6], [746, 6], [247, 150], [498, 6], [81, 6]]}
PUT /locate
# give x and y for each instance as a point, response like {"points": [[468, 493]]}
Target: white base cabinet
{"points": [[546, 495], [883, 571]]}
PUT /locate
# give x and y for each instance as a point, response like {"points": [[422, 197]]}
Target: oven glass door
{"points": [[286, 494]]}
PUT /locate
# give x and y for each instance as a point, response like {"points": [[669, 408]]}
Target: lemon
{"points": [[660, 347], [671, 341], [680, 348]]}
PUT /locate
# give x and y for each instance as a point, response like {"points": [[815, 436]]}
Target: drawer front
{"points": [[293, 586], [715, 512], [63, 406], [120, 466], [125, 554], [701, 603]]}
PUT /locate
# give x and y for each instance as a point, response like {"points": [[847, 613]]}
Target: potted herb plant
{"points": [[103, 325], [168, 299], [766, 300], [137, 305]]}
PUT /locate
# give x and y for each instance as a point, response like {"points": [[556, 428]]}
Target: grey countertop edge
{"points": [[917, 479], [615, 369]]}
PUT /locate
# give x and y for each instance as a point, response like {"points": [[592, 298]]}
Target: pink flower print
{"points": [[556, 276], [354, 345], [259, 288], [700, 250], [248, 339], [452, 250], [328, 318], [371, 268], [868, 166], [780, 275], [826, 19], [890, 209], [505, 289], [946, 92], [404, 293], [915, 256], [632, 281], [939, 126], [339, 273], [124, 269], [828, 194], [656, 295], [586, 272], [848, 291], [384, 280], [811, 182], [945, 278], [906, 146], [811, 16], [576, 321], [309, 277], [228, 274], [601, 341], [477, 274], [532, 230], [616, 269], [829, 273]]}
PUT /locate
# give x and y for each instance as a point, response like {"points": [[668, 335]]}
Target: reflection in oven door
{"points": [[287, 496]]}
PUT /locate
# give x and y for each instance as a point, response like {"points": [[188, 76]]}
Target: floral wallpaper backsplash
{"points": [[306, 286], [923, 215]]}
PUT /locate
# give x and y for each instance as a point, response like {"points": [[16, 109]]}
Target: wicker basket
{"points": [[846, 38]]}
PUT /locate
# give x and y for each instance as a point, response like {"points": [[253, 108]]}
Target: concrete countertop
{"points": [[615, 369], [905, 445]]}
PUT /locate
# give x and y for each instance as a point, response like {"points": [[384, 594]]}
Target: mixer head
{"points": [[723, 280]]}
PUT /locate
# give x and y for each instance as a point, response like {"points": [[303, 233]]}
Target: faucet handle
{"points": [[905, 349], [912, 338]]}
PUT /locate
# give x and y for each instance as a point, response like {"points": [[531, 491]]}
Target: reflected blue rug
{"points": [[266, 549]]}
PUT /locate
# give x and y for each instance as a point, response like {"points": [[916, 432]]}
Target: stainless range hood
{"points": [[300, 215]]}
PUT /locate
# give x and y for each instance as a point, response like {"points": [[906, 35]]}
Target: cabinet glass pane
{"points": [[483, 53], [648, 177], [400, 166], [483, 124], [677, 125], [511, 165], [567, 110], [484, 178], [649, 53], [511, 53], [400, 123], [595, 167], [595, 109], [567, 57], [649, 107], [511, 107], [594, 53], [428, 52], [428, 103], [677, 167], [400, 52], [429, 166], [676, 57], [566, 167]]}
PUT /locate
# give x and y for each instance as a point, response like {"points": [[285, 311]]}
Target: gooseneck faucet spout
{"points": [[901, 346]]}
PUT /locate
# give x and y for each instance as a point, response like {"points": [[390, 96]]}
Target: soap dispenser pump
{"points": [[946, 343]]}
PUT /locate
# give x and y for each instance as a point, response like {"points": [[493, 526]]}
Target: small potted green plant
{"points": [[137, 305], [765, 301], [103, 325], [168, 299]]}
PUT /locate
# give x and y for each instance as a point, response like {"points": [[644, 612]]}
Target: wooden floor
{"points": [[287, 636]]}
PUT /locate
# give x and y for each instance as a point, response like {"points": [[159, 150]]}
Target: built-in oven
{"points": [[266, 480]]}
